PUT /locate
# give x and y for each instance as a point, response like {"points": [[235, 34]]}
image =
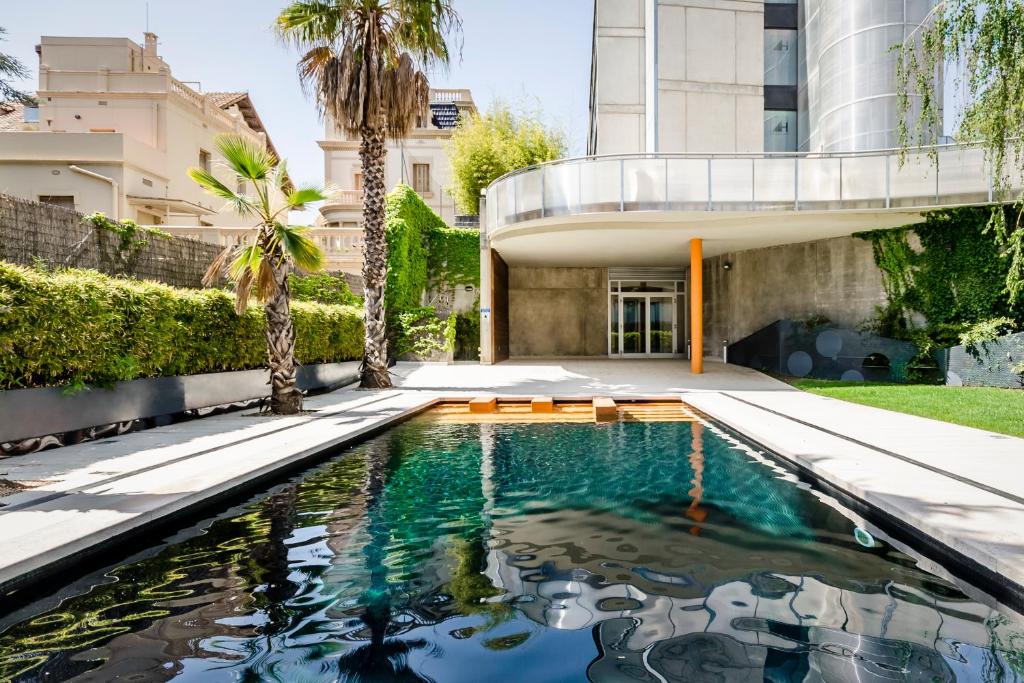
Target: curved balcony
{"points": [[741, 184]]}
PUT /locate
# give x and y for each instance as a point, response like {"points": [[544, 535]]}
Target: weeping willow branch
{"points": [[984, 41]]}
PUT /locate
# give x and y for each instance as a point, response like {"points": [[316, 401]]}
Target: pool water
{"points": [[660, 552]]}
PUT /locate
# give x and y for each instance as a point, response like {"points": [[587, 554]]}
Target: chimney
{"points": [[150, 47]]}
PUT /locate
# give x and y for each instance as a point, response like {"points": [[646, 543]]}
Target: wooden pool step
{"points": [[490, 409]]}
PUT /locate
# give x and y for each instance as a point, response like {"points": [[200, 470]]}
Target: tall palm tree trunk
{"points": [[372, 153], [285, 397]]}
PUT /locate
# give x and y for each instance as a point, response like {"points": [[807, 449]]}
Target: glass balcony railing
{"points": [[737, 183]]}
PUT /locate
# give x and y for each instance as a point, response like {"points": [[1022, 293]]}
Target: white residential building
{"points": [[420, 160], [116, 132]]}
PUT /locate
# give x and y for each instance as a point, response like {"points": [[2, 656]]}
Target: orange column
{"points": [[696, 306]]}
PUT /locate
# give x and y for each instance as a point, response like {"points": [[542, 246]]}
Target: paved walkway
{"points": [[960, 486]]}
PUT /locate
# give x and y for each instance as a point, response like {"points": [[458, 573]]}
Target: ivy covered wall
{"points": [[426, 255], [942, 278]]}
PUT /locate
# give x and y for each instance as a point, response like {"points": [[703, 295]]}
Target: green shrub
{"points": [[424, 252], [421, 332], [467, 335], [81, 327], [322, 288]]}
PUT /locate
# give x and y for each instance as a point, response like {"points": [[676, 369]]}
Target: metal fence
{"points": [[31, 232]]}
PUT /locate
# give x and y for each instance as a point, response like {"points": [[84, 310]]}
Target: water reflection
{"points": [[636, 552]]}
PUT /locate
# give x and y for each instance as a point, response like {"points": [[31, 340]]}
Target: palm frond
{"points": [[266, 283], [243, 287], [304, 195], [245, 156], [247, 260], [216, 269], [303, 252], [241, 204]]}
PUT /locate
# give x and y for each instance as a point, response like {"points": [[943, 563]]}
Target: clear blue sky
{"points": [[535, 53]]}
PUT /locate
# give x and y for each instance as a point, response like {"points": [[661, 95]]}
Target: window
{"points": [[780, 129], [421, 178], [204, 160], [357, 181], [63, 201], [240, 186]]}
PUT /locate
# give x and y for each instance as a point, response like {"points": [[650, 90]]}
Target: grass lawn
{"points": [[997, 410]]}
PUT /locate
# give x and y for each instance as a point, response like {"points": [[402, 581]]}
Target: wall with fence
{"points": [[998, 363], [32, 232]]}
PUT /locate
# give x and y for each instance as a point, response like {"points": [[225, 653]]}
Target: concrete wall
{"points": [[558, 311], [710, 76], [835, 277], [707, 93]]}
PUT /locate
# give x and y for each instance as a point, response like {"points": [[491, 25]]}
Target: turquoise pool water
{"points": [[655, 552]]}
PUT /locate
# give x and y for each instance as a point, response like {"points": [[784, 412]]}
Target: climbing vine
{"points": [[424, 253], [132, 235], [955, 280]]}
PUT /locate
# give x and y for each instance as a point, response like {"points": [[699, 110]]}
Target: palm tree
{"points": [[365, 60], [263, 265]]}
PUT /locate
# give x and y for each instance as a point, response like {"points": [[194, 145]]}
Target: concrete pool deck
{"points": [[961, 487]]}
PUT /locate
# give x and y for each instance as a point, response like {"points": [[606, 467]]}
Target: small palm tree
{"points": [[262, 266], [365, 62]]}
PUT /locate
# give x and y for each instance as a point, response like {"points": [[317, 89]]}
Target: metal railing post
{"points": [[664, 200], [888, 183], [543, 190], [622, 185], [709, 184], [796, 183]]}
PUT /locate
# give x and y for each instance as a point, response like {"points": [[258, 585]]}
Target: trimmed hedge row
{"points": [[74, 327]]}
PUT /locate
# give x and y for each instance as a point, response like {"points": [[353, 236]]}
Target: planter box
{"points": [[29, 413]]}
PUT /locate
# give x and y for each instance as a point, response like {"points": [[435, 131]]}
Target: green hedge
{"points": [[73, 327], [322, 288]]}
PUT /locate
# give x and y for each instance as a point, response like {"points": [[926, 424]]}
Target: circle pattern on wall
{"points": [[799, 364], [829, 343]]}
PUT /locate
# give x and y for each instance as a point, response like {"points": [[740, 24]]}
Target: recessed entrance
{"points": [[644, 318]]}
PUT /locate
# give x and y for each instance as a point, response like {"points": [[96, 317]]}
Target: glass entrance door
{"points": [[634, 325], [661, 325], [648, 327], [643, 317]]}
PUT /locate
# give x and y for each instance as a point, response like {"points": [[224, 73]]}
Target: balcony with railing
{"points": [[942, 176]]}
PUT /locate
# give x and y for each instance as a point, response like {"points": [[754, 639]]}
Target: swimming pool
{"points": [[445, 551]]}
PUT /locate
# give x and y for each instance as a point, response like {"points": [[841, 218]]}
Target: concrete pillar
{"points": [[696, 306]]}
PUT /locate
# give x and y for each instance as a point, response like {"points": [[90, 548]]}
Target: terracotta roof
{"points": [[226, 100], [12, 116]]}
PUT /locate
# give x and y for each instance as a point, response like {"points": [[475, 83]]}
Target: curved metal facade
{"points": [[850, 91]]}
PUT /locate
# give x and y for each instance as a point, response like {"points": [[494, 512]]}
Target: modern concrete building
{"points": [[735, 146], [420, 160], [116, 132]]}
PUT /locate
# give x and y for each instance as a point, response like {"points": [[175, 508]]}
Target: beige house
{"points": [[116, 132], [420, 160]]}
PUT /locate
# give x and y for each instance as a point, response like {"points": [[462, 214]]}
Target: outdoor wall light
{"points": [[726, 266], [469, 288]]}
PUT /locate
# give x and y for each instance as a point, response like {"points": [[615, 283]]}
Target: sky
{"points": [[531, 53]]}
